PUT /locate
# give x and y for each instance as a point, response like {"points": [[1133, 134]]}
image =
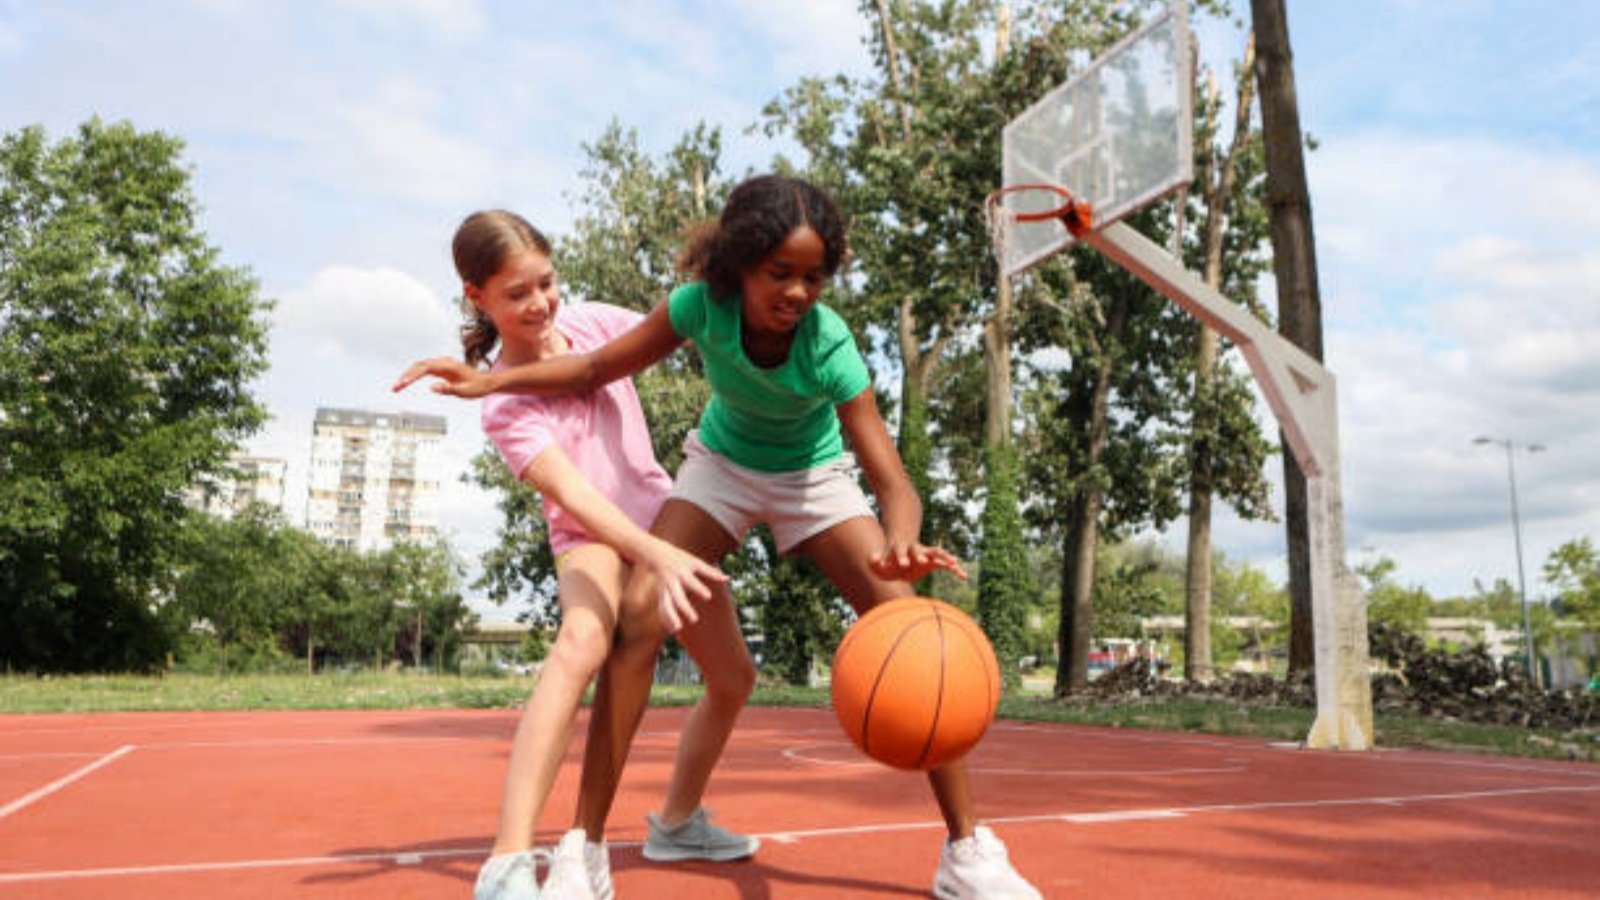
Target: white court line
{"points": [[59, 783], [413, 857], [1104, 817]]}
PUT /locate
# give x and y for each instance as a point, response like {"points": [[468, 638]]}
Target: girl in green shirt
{"points": [[789, 390]]}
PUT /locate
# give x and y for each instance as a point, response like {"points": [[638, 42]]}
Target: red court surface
{"points": [[403, 804]]}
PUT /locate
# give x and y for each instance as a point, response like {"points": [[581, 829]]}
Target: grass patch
{"points": [[170, 693], [369, 690]]}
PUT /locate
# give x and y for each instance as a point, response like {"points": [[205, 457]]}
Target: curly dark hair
{"points": [[483, 242], [758, 216]]}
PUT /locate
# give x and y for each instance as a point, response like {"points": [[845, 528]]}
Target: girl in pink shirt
{"points": [[589, 457]]}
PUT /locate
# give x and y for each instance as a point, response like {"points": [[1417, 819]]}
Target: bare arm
{"points": [[681, 573], [903, 556], [639, 347]]}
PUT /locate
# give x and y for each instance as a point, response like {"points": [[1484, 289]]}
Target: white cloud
{"points": [[381, 314], [1461, 292], [335, 146], [821, 37], [453, 20]]}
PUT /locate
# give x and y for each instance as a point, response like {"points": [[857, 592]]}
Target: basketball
{"points": [[915, 683]]}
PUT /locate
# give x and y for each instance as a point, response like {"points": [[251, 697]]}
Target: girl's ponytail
{"points": [[478, 334]]}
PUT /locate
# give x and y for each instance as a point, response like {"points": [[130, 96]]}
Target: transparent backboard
{"points": [[1118, 134]]}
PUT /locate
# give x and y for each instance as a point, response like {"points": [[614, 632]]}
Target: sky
{"points": [[335, 145]]}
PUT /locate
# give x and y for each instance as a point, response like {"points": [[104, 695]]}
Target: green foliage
{"points": [[800, 614], [1133, 582], [520, 566], [1004, 584], [126, 352], [1573, 569], [238, 582], [252, 594], [535, 647], [1406, 608]]}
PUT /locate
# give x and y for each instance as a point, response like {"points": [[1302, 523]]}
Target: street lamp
{"points": [[1516, 531]]}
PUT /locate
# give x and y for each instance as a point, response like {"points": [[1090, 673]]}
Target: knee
{"points": [[731, 683], [581, 647]]}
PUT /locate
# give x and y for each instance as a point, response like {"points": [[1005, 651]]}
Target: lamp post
{"points": [[1516, 532]]}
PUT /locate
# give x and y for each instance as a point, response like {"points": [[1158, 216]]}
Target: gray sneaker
{"points": [[695, 838]]}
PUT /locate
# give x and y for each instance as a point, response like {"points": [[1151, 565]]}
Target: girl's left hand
{"points": [[913, 562]]}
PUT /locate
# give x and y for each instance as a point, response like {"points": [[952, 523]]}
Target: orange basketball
{"points": [[915, 683]]}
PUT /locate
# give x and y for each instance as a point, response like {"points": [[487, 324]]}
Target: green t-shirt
{"points": [[780, 419]]}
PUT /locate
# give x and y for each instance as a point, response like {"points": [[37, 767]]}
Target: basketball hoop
{"points": [[1015, 204]]}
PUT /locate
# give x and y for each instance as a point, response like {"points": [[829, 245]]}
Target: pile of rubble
{"points": [[1465, 685]]}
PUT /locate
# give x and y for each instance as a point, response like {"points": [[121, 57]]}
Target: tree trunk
{"points": [[918, 366], [1295, 269], [997, 369], [1219, 184], [1076, 631]]}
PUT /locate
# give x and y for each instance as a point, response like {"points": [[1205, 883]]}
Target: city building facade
{"points": [[373, 478], [253, 480]]}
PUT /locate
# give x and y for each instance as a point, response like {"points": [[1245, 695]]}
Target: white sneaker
{"points": [[976, 868], [597, 862], [695, 838], [509, 876], [569, 872]]}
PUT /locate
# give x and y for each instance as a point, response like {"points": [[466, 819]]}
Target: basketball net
{"points": [[1036, 204], [1002, 222]]}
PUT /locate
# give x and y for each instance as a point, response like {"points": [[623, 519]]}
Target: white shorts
{"points": [[795, 505]]}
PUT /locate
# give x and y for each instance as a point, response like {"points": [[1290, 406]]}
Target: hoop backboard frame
{"points": [[1062, 161], [1118, 136]]}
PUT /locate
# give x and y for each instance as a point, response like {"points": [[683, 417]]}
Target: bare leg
{"points": [[841, 553], [717, 646], [620, 699], [591, 583]]}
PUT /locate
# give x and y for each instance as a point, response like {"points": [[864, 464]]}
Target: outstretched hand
{"points": [[683, 578], [914, 562], [455, 378]]}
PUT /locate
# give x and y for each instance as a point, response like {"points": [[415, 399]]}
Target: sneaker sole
{"points": [[674, 854]]}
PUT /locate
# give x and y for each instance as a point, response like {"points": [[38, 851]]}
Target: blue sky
{"points": [[335, 145]]}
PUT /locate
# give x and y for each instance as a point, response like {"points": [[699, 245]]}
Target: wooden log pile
{"points": [[1463, 685], [1467, 685]]}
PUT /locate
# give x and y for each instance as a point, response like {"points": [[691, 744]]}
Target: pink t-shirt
{"points": [[603, 432]]}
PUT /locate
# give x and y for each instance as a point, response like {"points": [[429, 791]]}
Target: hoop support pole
{"points": [[1302, 395]]}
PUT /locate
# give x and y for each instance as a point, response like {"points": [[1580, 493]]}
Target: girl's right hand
{"points": [[683, 578], [455, 378]]}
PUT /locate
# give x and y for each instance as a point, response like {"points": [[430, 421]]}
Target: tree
{"points": [[241, 586], [1221, 423], [126, 351], [1241, 589], [422, 581], [1388, 602], [520, 565], [1295, 270], [1573, 569]]}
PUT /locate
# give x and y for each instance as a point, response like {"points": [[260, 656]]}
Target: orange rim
{"points": [[1076, 215]]}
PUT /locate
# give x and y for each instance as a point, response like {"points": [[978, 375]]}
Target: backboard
{"points": [[1118, 134]]}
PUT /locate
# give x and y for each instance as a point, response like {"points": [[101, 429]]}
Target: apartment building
{"points": [[374, 477], [254, 479]]}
